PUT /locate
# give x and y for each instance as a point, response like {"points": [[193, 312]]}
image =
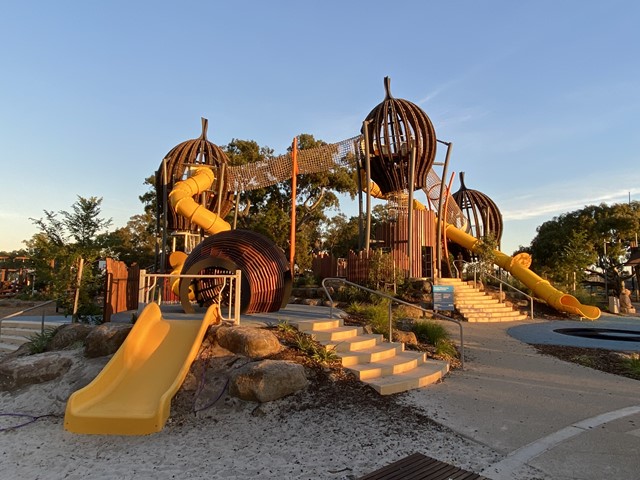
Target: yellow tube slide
{"points": [[181, 199], [540, 287], [132, 394]]}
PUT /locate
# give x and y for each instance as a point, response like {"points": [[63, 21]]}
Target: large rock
{"points": [[68, 335], [22, 371], [105, 339], [267, 380], [249, 341]]}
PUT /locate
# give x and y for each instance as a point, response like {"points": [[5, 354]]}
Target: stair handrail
{"points": [[35, 307], [502, 282], [396, 300]]}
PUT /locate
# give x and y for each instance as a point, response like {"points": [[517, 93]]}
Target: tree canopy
{"points": [[592, 240]]}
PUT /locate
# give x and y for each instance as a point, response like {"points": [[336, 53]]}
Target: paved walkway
{"points": [[567, 421]]}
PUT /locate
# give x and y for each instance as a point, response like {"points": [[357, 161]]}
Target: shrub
{"points": [[376, 315], [430, 332], [314, 350], [38, 342], [632, 364]]}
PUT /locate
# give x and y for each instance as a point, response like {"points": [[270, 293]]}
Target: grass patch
{"points": [[375, 314], [314, 350], [38, 342], [632, 365], [435, 334]]}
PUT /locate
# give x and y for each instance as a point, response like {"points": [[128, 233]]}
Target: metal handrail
{"points": [[149, 283], [44, 304], [393, 299], [502, 282]]}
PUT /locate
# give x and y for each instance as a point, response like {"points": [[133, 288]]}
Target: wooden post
{"points": [[412, 174], [294, 186], [77, 295], [367, 161]]}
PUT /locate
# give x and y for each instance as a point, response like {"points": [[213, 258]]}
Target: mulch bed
{"points": [[596, 358]]}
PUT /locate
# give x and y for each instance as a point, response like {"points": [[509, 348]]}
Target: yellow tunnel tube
{"points": [[541, 288], [181, 199]]}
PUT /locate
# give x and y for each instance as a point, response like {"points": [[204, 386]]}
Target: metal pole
{"points": [[294, 190], [604, 267], [440, 213], [412, 175], [367, 162]]}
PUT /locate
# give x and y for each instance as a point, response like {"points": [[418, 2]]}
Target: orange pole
{"points": [[294, 186]]}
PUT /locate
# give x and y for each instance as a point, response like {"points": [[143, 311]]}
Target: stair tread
{"points": [[398, 359]]}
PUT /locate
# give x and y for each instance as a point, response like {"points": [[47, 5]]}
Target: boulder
{"points": [[249, 341], [408, 338], [267, 380], [22, 371], [67, 335], [105, 339]]}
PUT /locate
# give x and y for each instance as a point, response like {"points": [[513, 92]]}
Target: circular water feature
{"points": [[612, 334]]}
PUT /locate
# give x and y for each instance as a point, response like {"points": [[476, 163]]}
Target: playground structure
{"points": [[197, 188]]}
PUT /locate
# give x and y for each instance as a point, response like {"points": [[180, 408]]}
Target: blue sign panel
{"points": [[443, 297]]}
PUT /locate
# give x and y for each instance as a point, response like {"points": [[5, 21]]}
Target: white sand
{"points": [[293, 438]]}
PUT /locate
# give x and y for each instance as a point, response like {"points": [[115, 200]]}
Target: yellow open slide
{"points": [[132, 394]]}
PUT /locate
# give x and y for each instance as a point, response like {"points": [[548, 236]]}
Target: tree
{"points": [[60, 245], [592, 240], [268, 210]]}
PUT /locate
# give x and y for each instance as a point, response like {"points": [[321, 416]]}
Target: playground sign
{"points": [[443, 297]]}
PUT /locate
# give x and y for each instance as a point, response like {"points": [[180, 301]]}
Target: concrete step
{"points": [[353, 344], [336, 334], [497, 309], [380, 352], [400, 363], [430, 372], [7, 348], [308, 326], [386, 367], [489, 319]]}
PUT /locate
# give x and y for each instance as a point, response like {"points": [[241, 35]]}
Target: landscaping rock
{"points": [[408, 338], [22, 371], [68, 335], [249, 341], [267, 380], [105, 339]]}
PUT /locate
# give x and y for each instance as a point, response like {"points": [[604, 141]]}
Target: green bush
{"points": [[376, 315], [632, 364], [314, 350], [38, 342], [430, 332]]}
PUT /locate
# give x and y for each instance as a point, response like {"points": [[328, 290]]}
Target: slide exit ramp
{"points": [[132, 394]]}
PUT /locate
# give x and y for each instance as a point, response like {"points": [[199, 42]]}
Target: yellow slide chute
{"points": [[517, 266], [132, 394], [540, 287]]}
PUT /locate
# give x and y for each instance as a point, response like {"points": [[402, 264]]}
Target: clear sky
{"points": [[541, 99]]}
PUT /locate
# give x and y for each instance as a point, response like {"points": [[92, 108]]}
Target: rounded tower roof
{"points": [[393, 125], [483, 214], [180, 159]]}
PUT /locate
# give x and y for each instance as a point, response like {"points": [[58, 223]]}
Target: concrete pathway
{"points": [[567, 421]]}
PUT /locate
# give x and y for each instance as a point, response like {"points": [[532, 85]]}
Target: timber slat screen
{"points": [[421, 467]]}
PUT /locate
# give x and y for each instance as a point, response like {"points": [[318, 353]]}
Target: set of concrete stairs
{"points": [[477, 306], [16, 332], [384, 366]]}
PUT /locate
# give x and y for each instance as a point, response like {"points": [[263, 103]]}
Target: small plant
{"points": [[313, 349], [446, 349], [286, 327], [38, 342], [632, 364], [430, 332], [376, 315]]}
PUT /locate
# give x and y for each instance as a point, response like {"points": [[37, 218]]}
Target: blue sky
{"points": [[540, 99]]}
